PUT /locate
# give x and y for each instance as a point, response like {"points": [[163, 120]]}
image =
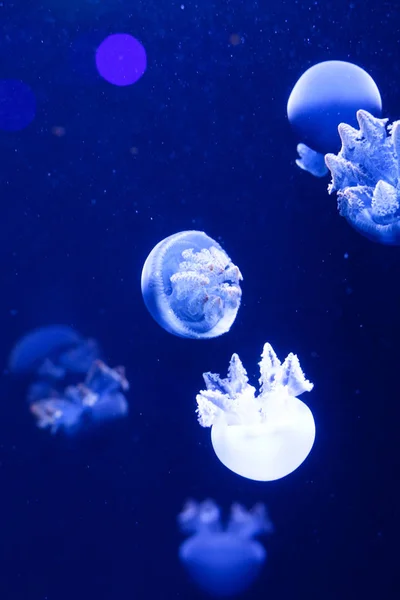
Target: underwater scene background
{"points": [[103, 173]]}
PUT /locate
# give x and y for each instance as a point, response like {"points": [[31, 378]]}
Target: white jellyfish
{"points": [[366, 177], [262, 437], [80, 407], [190, 286], [223, 561], [52, 351]]}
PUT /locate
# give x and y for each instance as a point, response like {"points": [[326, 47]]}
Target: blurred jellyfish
{"points": [[190, 286], [17, 105], [223, 561], [52, 351], [327, 94], [78, 408], [121, 59], [262, 437], [366, 177]]}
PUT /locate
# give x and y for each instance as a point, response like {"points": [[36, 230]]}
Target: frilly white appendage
{"points": [[101, 379], [205, 284], [366, 177], [311, 161], [205, 517], [235, 397], [249, 523], [197, 517]]}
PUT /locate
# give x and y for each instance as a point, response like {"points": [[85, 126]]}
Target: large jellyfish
{"points": [[327, 94], [51, 351], [366, 177], [79, 407], [223, 561], [262, 437], [190, 286]]}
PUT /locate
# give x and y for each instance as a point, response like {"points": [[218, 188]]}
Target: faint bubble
{"points": [[58, 131], [121, 59], [17, 105], [235, 39]]}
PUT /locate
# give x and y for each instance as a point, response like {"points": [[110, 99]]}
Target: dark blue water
{"points": [[200, 142]]}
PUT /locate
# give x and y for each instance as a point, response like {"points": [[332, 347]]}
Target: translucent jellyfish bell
{"points": [[223, 561], [33, 348], [51, 351], [329, 93], [366, 177], [262, 437], [190, 286]]}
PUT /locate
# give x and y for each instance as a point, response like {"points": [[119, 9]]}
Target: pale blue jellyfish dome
{"points": [[34, 347], [223, 565], [326, 95]]}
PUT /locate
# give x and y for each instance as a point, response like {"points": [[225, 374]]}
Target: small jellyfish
{"points": [[366, 177], [190, 286], [79, 407], [51, 351], [262, 437], [327, 94], [223, 561]]}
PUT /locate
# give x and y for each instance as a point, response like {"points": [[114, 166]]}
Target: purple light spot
{"points": [[121, 59], [17, 105]]}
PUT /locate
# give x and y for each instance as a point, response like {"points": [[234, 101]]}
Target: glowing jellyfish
{"points": [[190, 286], [78, 408], [121, 59], [262, 437], [223, 561], [366, 177], [327, 94], [51, 351], [17, 105]]}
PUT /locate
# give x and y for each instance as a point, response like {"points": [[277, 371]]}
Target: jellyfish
{"points": [[190, 286], [51, 351], [366, 177], [223, 561], [262, 437], [78, 408], [327, 94]]}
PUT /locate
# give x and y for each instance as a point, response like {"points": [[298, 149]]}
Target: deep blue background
{"points": [[96, 519]]}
